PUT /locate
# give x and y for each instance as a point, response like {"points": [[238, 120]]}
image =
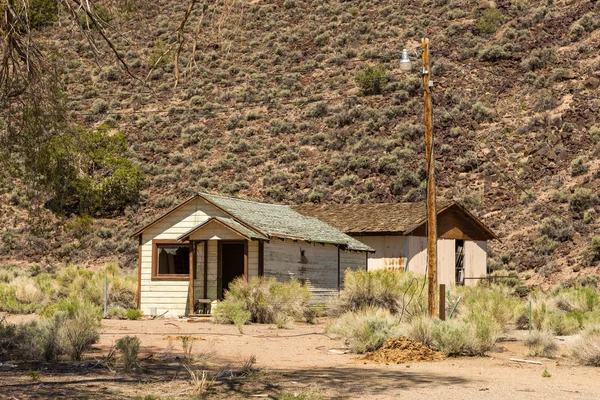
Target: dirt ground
{"points": [[290, 361]]}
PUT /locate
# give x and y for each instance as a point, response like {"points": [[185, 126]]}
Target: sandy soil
{"points": [[292, 360]]}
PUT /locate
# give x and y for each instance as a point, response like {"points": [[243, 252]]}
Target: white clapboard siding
{"points": [[475, 261], [215, 231], [175, 224]]}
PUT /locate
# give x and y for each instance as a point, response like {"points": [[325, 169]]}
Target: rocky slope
{"points": [[268, 107]]}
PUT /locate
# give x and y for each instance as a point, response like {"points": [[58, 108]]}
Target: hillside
{"points": [[268, 107]]}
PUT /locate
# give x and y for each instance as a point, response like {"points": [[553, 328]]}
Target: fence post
{"points": [[442, 301], [105, 297]]}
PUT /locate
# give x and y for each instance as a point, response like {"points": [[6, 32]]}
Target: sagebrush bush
{"points": [[268, 301], [396, 291], [556, 228], [587, 349], [420, 329], [129, 347], [582, 199], [371, 80], [80, 330], [541, 344], [366, 329], [495, 302], [472, 337], [232, 311]]}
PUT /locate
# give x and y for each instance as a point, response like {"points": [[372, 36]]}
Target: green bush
{"points": [[371, 80], [420, 329], [232, 311], [129, 347], [472, 337], [582, 199], [541, 344], [268, 301], [561, 324], [366, 329], [80, 330], [396, 291], [578, 167], [494, 302], [594, 248], [556, 228], [490, 21], [134, 314]]}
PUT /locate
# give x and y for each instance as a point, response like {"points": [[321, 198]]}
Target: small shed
{"points": [[196, 249], [398, 233]]}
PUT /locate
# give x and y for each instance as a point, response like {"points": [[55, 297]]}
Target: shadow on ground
{"points": [[69, 381]]}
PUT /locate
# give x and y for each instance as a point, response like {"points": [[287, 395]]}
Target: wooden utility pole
{"points": [[432, 289]]}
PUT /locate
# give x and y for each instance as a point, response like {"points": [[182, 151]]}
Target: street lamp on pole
{"points": [[432, 276]]}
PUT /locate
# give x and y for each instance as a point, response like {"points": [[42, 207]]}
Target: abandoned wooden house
{"points": [[190, 254], [398, 234]]}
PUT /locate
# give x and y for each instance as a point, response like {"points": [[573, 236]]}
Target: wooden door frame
{"points": [[220, 263]]}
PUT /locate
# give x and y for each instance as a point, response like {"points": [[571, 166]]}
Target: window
{"points": [[171, 260]]}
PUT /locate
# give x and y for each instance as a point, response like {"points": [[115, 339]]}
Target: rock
{"points": [[592, 82]]}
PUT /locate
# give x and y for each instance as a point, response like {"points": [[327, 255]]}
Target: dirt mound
{"points": [[402, 349]]}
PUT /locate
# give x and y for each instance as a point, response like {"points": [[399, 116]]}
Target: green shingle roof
{"points": [[281, 221]]}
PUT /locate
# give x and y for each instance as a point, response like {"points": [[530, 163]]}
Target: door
{"points": [[232, 260]]}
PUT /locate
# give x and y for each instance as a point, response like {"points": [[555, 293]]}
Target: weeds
{"points": [[366, 329], [587, 349], [129, 346], [541, 344]]}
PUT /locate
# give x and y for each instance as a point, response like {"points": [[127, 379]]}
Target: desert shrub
{"points": [[595, 134], [80, 329], [117, 312], [490, 21], [582, 299], [541, 344], [269, 301], [10, 303], [129, 347], [465, 337], [556, 228], [494, 302], [395, 291], [589, 216], [561, 324], [134, 313], [539, 58], [371, 80], [481, 112], [71, 330], [582, 199], [545, 245], [493, 53], [366, 329], [420, 329], [587, 349], [578, 167], [234, 312], [594, 251]]}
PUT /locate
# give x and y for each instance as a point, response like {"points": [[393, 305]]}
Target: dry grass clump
{"points": [[366, 329], [541, 344], [473, 337], [587, 349]]}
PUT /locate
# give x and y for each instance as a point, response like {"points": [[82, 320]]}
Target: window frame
{"points": [[156, 243]]}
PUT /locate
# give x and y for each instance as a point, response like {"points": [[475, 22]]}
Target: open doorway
{"points": [[460, 262], [231, 264]]}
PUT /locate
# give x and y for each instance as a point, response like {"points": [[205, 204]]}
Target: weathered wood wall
{"points": [[317, 267], [390, 251], [475, 261]]}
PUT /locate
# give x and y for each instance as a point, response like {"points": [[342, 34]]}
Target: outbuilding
{"points": [[398, 234], [190, 254]]}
